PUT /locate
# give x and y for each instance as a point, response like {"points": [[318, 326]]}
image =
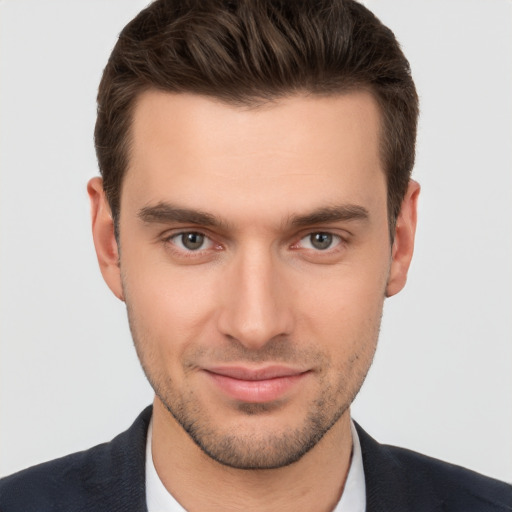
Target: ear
{"points": [[104, 237], [403, 244]]}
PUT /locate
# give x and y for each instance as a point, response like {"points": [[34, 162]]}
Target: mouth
{"points": [[256, 385]]}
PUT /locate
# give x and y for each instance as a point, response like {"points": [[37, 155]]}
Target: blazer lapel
{"points": [[118, 481], [390, 486]]}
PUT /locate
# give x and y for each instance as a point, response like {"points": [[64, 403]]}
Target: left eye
{"points": [[191, 241], [320, 241]]}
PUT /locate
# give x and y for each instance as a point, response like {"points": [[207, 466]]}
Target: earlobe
{"points": [[104, 237], [403, 245]]}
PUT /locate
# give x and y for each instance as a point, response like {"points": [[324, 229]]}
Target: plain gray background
{"points": [[442, 379]]}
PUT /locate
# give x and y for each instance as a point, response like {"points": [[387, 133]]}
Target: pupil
{"points": [[321, 240], [192, 240]]}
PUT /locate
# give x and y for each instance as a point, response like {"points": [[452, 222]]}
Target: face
{"points": [[254, 262]]}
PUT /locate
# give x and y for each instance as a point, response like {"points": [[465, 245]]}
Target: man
{"points": [[254, 211]]}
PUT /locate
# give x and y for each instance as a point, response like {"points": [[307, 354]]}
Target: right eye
{"points": [[191, 241]]}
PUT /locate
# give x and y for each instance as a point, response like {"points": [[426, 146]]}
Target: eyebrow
{"points": [[339, 213], [167, 213], [163, 213]]}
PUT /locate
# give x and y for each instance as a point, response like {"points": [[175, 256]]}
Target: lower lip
{"points": [[256, 391]]}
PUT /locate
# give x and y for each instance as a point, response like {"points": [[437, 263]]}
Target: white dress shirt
{"points": [[353, 499]]}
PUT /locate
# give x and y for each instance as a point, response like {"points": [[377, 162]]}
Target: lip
{"points": [[256, 385]]}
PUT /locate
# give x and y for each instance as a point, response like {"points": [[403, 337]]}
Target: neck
{"points": [[197, 482]]}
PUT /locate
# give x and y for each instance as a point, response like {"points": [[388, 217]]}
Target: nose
{"points": [[255, 305]]}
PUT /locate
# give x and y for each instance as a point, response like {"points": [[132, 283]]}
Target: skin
{"points": [[255, 189]]}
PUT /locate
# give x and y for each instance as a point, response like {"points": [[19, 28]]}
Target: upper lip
{"points": [[262, 373]]}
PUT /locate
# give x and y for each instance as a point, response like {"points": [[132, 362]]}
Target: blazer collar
{"points": [[389, 484], [124, 470]]}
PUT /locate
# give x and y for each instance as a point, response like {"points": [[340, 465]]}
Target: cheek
{"points": [[169, 308], [344, 309], [351, 330]]}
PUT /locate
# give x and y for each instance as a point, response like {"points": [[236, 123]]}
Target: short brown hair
{"points": [[251, 51]]}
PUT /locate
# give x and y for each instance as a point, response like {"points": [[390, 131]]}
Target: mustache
{"points": [[276, 350]]}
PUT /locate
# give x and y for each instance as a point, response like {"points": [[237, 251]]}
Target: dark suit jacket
{"points": [[110, 477]]}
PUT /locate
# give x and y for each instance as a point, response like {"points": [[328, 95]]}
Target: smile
{"points": [[256, 385]]}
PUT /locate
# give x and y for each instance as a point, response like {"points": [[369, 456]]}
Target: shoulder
{"points": [[56, 485], [457, 487], [426, 483], [86, 480]]}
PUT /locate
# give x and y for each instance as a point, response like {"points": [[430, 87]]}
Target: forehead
{"points": [[306, 147], [203, 125]]}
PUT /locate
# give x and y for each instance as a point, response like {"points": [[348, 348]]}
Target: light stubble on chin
{"points": [[261, 449], [264, 450]]}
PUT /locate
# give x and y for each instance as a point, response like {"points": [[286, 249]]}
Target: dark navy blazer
{"points": [[110, 477]]}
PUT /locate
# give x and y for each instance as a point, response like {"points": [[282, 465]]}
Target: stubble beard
{"points": [[253, 451], [261, 450]]}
